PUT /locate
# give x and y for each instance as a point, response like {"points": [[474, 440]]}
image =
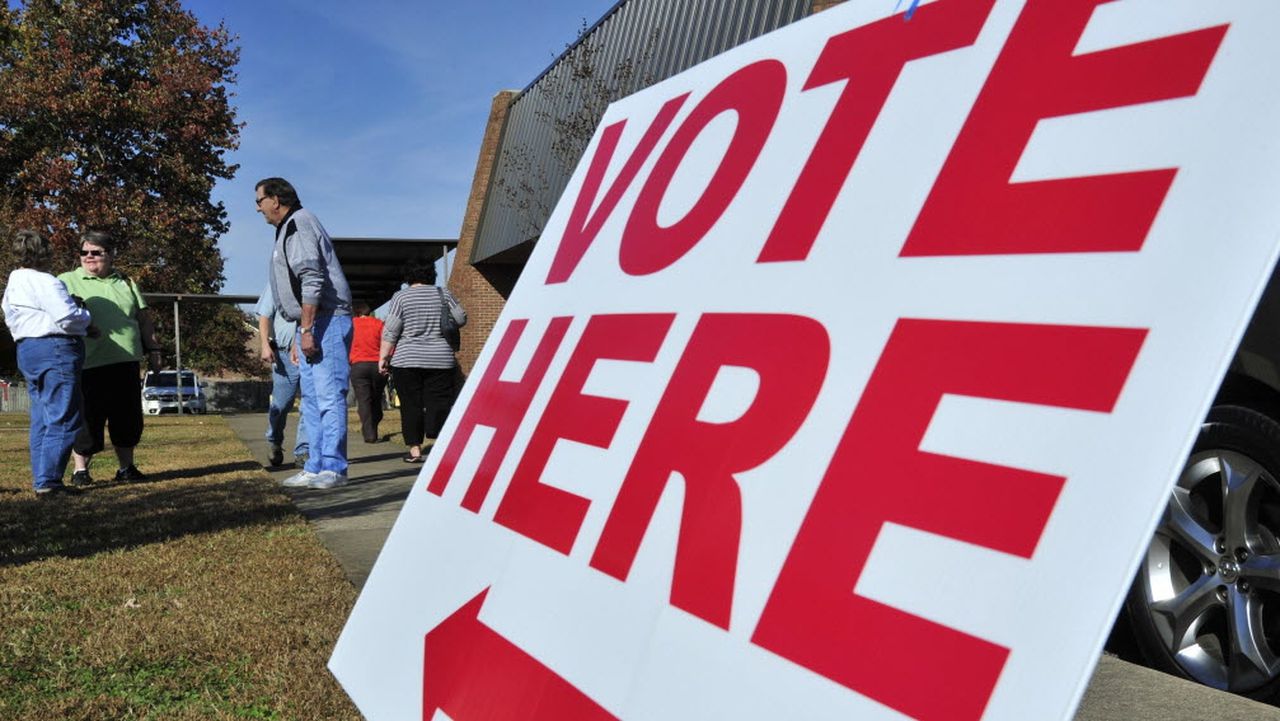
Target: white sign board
{"points": [[848, 377]]}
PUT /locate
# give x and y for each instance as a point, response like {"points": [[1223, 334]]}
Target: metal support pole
{"points": [[177, 348]]}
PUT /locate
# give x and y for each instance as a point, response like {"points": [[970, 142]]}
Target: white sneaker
{"points": [[327, 479], [301, 479]]}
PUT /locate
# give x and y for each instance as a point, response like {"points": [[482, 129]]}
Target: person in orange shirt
{"points": [[365, 378]]}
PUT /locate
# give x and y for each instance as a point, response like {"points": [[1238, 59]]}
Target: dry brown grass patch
{"points": [[198, 594]]}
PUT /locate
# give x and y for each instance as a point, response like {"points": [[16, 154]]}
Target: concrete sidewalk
{"points": [[353, 522]]}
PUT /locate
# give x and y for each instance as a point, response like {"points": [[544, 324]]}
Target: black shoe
{"points": [[81, 478], [277, 455], [130, 475], [54, 492]]}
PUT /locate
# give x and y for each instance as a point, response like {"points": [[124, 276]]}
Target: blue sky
{"points": [[373, 110]]}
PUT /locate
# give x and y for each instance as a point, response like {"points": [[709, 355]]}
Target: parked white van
{"points": [[160, 393]]}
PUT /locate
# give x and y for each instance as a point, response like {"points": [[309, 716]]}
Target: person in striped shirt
{"points": [[418, 357]]}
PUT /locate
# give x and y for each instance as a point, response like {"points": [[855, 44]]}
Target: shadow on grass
{"points": [[125, 516], [204, 471]]}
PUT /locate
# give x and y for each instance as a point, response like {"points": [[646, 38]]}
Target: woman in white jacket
{"points": [[49, 327]]}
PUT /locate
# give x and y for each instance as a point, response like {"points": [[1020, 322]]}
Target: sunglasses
{"points": [[92, 253]]}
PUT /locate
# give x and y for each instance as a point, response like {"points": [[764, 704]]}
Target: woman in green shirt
{"points": [[112, 372]]}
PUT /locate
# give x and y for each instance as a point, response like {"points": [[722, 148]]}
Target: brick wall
{"points": [[479, 295]]}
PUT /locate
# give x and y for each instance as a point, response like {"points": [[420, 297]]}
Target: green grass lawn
{"points": [[198, 594]]}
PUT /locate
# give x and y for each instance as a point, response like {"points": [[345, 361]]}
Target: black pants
{"points": [[112, 398], [426, 395], [368, 384]]}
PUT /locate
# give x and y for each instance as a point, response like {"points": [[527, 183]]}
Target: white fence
{"points": [[14, 398]]}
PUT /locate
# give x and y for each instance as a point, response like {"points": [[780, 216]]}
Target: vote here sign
{"points": [[848, 377]]}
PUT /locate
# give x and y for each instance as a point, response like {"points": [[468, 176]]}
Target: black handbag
{"points": [[449, 329]]}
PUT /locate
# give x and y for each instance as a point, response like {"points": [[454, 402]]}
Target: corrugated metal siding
{"points": [[636, 44]]}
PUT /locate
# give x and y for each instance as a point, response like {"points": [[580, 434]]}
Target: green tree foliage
{"points": [[213, 337], [116, 115]]}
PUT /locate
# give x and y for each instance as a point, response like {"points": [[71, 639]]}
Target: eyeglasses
{"points": [[258, 201], [92, 253]]}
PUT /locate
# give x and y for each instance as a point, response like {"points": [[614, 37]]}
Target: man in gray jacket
{"points": [[308, 286]]}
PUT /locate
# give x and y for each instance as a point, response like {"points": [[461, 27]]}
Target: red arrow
{"points": [[472, 673]]}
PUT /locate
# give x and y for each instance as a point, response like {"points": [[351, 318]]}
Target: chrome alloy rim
{"points": [[1213, 572]]}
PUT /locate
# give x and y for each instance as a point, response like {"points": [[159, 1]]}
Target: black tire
{"points": [[1205, 604]]}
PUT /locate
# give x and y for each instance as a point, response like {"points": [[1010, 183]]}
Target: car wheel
{"points": [[1205, 604]]}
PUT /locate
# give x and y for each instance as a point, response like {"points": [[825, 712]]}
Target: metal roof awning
{"points": [[374, 266]]}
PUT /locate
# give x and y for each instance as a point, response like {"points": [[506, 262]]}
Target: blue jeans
{"points": [[325, 376], [51, 367], [284, 388]]}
